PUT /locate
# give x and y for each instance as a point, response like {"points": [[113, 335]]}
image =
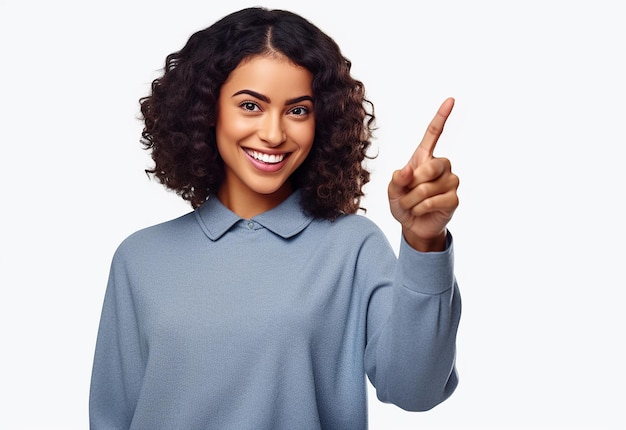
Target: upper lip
{"points": [[265, 151]]}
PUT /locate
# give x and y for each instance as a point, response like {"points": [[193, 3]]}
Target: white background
{"points": [[537, 138]]}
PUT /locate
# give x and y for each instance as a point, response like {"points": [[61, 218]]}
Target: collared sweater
{"points": [[211, 321]]}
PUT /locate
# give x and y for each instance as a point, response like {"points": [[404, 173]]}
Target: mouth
{"points": [[266, 158]]}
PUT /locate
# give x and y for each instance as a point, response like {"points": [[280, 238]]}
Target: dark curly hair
{"points": [[180, 112]]}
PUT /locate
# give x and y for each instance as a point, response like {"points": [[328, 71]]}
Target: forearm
{"points": [[411, 357]]}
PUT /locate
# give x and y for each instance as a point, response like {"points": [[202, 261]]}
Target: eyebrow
{"points": [[267, 99]]}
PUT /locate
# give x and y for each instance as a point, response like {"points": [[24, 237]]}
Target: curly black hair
{"points": [[180, 112]]}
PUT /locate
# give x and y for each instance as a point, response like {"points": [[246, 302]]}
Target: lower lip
{"points": [[266, 167]]}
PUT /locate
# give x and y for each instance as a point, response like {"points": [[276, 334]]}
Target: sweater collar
{"points": [[285, 220]]}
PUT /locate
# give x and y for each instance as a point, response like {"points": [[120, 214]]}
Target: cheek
{"points": [[304, 136], [230, 131], [231, 126]]}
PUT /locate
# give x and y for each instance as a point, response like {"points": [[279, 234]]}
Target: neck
{"points": [[247, 203]]}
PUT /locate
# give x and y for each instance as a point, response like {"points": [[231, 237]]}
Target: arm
{"points": [[410, 357], [412, 326], [117, 367]]}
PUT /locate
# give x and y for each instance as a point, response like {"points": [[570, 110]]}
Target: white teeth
{"points": [[266, 158]]}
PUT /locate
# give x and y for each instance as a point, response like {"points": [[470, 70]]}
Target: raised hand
{"points": [[423, 194]]}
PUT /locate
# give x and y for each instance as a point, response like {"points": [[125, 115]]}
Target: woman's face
{"points": [[265, 129]]}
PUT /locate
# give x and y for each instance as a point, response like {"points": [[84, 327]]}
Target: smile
{"points": [[265, 158]]}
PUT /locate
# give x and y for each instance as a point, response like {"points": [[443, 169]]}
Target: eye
{"points": [[249, 106], [299, 111]]}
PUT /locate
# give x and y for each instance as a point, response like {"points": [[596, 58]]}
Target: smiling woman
{"points": [[181, 113], [266, 306], [265, 130]]}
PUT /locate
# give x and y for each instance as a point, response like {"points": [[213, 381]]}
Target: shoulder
{"points": [[358, 239], [158, 236], [356, 222], [350, 229]]}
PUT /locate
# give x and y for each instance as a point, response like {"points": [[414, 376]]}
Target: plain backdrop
{"points": [[536, 136]]}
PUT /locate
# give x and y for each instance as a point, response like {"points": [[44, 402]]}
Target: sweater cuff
{"points": [[426, 272]]}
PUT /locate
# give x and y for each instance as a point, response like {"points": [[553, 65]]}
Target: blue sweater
{"points": [[211, 321]]}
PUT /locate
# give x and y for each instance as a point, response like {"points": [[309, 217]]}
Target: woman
{"points": [[266, 306]]}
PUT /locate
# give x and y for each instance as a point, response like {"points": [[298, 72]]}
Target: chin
{"points": [[269, 190]]}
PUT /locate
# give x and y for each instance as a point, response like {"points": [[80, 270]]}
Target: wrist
{"points": [[433, 244]]}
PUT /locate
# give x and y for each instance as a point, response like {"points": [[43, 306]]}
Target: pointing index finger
{"points": [[424, 151]]}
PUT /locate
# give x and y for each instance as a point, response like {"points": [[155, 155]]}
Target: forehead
{"points": [[273, 73]]}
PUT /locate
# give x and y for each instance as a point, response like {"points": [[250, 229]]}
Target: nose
{"points": [[272, 130]]}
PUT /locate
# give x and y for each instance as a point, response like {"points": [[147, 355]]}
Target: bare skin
{"points": [[265, 113], [266, 110], [423, 194]]}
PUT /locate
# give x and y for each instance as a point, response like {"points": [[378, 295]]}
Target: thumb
{"points": [[399, 181]]}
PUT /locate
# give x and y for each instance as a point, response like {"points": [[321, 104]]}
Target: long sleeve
{"points": [[212, 321], [118, 365], [411, 340]]}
